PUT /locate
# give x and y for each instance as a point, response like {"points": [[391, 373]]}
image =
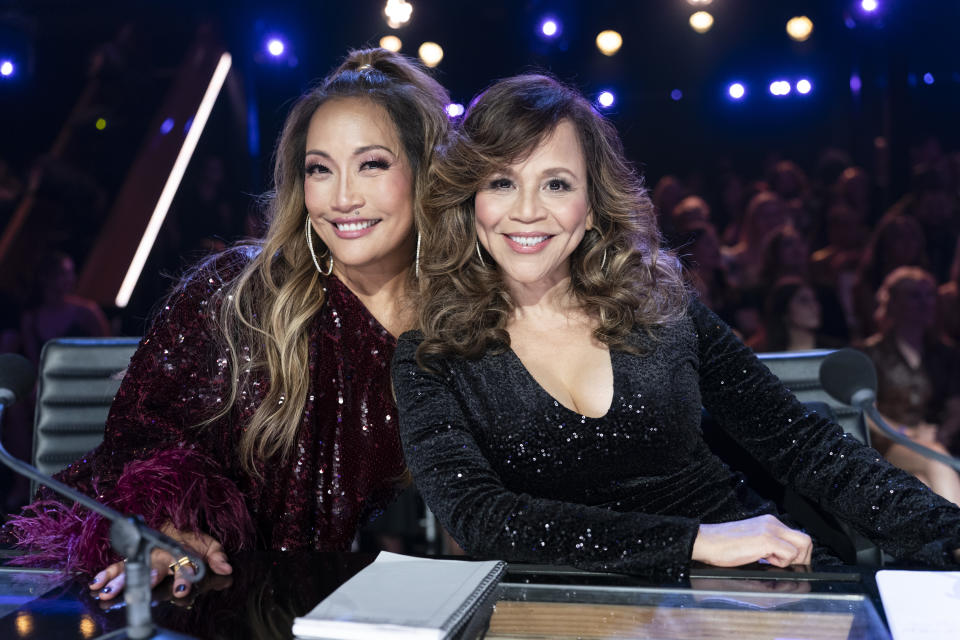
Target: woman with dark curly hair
{"points": [[550, 407]]}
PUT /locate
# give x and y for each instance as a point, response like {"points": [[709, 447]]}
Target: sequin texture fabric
{"points": [[347, 458], [513, 474]]}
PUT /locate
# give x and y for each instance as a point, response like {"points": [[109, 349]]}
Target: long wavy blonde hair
{"points": [[270, 304], [619, 274]]}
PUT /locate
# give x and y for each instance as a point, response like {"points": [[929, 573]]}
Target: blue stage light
{"points": [[550, 28], [276, 47], [804, 86], [455, 110], [780, 87], [6, 68], [928, 78], [869, 5], [676, 95], [736, 91], [166, 126], [856, 84], [606, 99]]}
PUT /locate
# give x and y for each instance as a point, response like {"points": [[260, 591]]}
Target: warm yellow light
{"points": [[87, 626], [431, 53], [101, 124], [609, 42], [701, 21], [24, 624], [799, 28], [391, 43], [700, 3], [398, 13]]}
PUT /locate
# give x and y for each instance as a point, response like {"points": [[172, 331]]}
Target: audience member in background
{"points": [[948, 303], [690, 211], [897, 241], [56, 311], [788, 180], [786, 254], [853, 189], [835, 265], [918, 377], [699, 251], [937, 212], [791, 319], [668, 192], [765, 214]]}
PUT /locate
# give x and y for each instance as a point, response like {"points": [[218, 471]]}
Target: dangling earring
{"points": [[313, 255], [480, 255], [416, 258], [603, 262]]}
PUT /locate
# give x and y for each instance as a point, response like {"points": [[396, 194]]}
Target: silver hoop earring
{"points": [[313, 255], [603, 262], [416, 258], [480, 255]]}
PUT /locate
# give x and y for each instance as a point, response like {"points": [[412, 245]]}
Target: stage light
{"points": [[6, 69], [799, 28], [609, 42], [606, 99], [928, 78], [430, 53], [676, 95], [166, 126], [550, 28], [398, 13], [736, 91], [855, 83], [701, 21], [804, 86], [700, 3], [391, 43], [173, 181], [455, 109], [276, 47], [869, 5], [100, 124], [780, 87]]}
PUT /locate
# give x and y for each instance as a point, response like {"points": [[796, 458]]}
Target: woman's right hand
{"points": [[731, 544], [110, 582]]}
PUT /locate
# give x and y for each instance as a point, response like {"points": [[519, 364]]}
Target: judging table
{"points": [[268, 590]]}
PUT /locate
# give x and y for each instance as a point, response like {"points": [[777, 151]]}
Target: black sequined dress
{"points": [[514, 474]]}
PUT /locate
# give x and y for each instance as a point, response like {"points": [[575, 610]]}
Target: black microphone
{"points": [[849, 376], [129, 535]]}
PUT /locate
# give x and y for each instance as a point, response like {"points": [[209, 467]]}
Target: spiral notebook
{"points": [[403, 597]]}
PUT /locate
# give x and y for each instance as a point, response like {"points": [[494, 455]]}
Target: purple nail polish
{"points": [[106, 590]]}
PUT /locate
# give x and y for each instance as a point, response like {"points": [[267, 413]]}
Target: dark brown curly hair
{"points": [[619, 273]]}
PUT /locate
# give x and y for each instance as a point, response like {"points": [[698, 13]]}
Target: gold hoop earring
{"points": [[416, 258], [480, 255], [313, 255]]}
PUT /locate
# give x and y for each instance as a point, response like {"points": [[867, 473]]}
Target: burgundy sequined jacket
{"points": [[159, 461]]}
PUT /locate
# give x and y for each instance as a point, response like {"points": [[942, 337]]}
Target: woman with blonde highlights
{"points": [[550, 405], [256, 412]]}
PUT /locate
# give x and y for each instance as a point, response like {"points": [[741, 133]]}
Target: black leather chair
{"points": [[78, 379]]}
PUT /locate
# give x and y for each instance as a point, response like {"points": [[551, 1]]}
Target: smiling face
{"points": [[358, 186], [532, 214]]}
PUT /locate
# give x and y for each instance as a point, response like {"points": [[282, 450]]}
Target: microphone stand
{"points": [[130, 537], [865, 402]]}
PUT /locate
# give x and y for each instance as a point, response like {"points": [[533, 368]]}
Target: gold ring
{"points": [[182, 562]]}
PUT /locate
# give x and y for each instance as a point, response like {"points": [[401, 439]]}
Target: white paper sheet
{"points": [[921, 605]]}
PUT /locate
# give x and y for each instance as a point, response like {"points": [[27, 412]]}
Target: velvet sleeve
{"points": [[462, 488], [815, 457], [156, 459]]}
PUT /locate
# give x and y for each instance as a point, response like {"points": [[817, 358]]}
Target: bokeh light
{"points": [[391, 43], [780, 87], [701, 21], [398, 13], [676, 95], [276, 47], [606, 99], [550, 28], [804, 86], [856, 84], [100, 124], [609, 42], [6, 68], [869, 5], [700, 3], [736, 91], [166, 126], [799, 28], [455, 110], [928, 78], [430, 53]]}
